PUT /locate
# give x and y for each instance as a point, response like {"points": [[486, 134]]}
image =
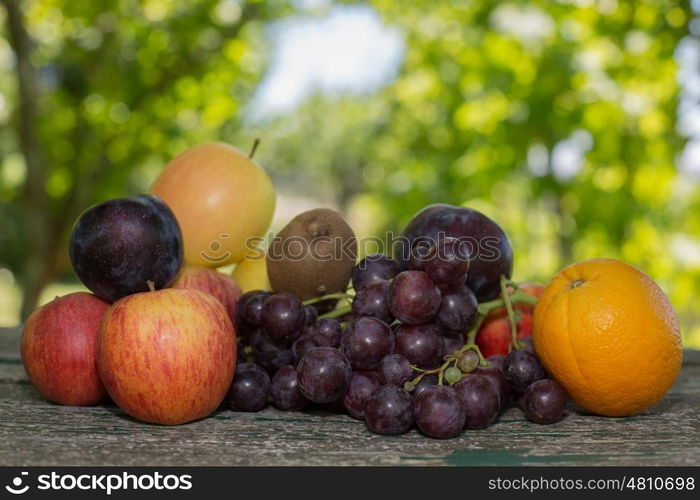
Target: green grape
{"points": [[467, 361], [453, 375]]}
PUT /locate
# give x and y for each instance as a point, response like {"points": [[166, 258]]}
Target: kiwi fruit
{"points": [[313, 255]]}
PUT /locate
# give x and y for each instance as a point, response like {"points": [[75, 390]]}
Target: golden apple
{"points": [[251, 274], [220, 197]]}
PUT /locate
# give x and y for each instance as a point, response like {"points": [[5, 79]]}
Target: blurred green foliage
{"points": [[557, 119]]}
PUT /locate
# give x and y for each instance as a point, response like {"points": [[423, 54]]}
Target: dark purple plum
{"points": [[394, 369], [458, 311], [521, 369], [544, 401], [490, 255], [119, 246], [414, 298], [366, 341], [283, 318], [448, 261], [439, 412], [421, 345], [249, 389], [372, 269], [362, 386], [372, 300], [389, 410], [324, 375], [481, 401], [268, 354], [284, 390]]}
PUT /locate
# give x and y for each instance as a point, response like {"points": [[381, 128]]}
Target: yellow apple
{"points": [[251, 274], [220, 197]]}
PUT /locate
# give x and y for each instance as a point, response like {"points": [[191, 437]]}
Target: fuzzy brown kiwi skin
{"points": [[316, 235]]}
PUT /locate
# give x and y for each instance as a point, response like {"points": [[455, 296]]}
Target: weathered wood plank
{"points": [[34, 432]]}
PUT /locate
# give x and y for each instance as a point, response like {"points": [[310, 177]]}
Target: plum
{"points": [[119, 246], [490, 252]]}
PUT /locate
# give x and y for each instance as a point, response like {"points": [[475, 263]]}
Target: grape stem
{"points": [[330, 296], [506, 300], [336, 313]]}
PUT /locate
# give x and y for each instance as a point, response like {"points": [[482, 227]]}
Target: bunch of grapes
{"points": [[400, 353]]}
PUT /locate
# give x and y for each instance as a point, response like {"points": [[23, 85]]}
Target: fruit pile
{"points": [[395, 356], [438, 337]]}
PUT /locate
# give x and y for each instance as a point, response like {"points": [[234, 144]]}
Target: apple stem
{"points": [[256, 143], [151, 285]]}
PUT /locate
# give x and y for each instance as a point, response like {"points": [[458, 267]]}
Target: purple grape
{"points": [[427, 381], [414, 298], [544, 401], [362, 386], [394, 369], [526, 343], [249, 389], [240, 352], [419, 254], [451, 344], [366, 341], [268, 354], [458, 311], [323, 374], [284, 390], [521, 369], [372, 301], [389, 410], [372, 269], [481, 401], [283, 318], [421, 345], [448, 261], [302, 345], [496, 361], [439, 412], [249, 310], [310, 315], [497, 379], [326, 332]]}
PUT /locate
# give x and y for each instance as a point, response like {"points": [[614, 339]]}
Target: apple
{"points": [[221, 198], [494, 334], [167, 356], [251, 274], [59, 345], [221, 286]]}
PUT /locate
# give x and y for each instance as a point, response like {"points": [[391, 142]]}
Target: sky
{"points": [[348, 50]]}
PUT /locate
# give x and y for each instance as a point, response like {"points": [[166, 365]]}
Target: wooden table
{"points": [[34, 432]]}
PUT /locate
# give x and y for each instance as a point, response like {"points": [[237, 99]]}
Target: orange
{"points": [[609, 335]]}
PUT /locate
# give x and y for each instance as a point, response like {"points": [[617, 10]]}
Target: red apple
{"points": [[59, 344], [494, 335], [167, 356], [221, 286]]}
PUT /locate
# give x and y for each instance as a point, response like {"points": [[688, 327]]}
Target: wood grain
{"points": [[34, 432]]}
